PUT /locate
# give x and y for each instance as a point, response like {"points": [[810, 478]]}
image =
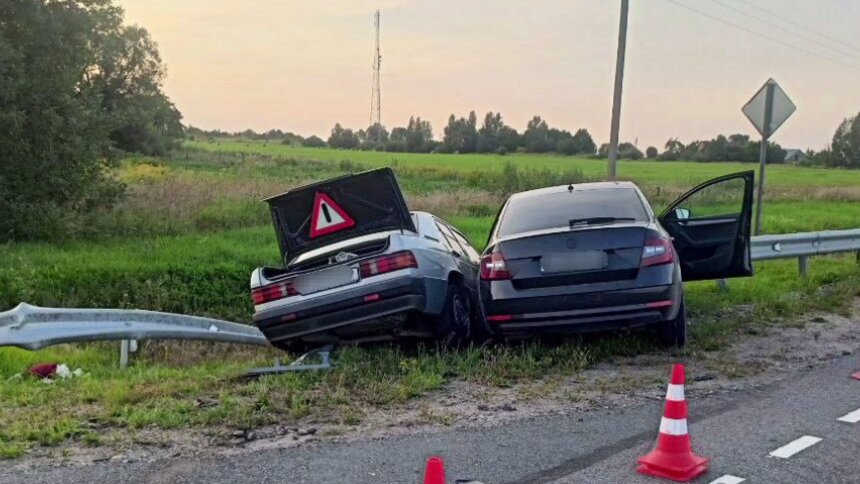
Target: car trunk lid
{"points": [[564, 257], [323, 213]]}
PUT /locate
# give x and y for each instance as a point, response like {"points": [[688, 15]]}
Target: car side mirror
{"points": [[682, 213]]}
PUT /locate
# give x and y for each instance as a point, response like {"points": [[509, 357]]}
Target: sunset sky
{"points": [[303, 65]]}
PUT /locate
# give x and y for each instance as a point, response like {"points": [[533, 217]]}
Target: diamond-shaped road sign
{"points": [[769, 108]]}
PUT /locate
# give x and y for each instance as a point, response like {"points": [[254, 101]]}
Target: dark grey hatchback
{"points": [[593, 256]]}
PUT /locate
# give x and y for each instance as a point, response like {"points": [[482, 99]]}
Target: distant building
{"points": [[793, 155]]}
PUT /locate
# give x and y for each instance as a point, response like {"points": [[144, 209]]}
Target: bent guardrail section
{"points": [[33, 327]]}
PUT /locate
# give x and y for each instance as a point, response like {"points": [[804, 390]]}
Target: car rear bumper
{"points": [[599, 311], [351, 307]]}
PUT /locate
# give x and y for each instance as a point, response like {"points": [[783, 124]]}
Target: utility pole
{"points": [[376, 90], [616, 98]]}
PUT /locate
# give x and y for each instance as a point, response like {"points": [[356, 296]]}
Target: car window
{"points": [[449, 237], [555, 210], [723, 199], [464, 242]]}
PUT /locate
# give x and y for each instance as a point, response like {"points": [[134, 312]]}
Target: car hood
{"points": [[354, 205]]}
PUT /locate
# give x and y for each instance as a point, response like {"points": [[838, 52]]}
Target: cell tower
{"points": [[376, 93]]}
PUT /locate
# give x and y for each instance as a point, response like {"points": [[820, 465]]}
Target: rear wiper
{"points": [[598, 220]]}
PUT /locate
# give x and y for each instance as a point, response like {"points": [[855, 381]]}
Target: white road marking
{"points": [[728, 479], [796, 446], [852, 417]]}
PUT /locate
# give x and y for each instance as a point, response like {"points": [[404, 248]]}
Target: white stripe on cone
{"points": [[673, 426], [675, 393]]}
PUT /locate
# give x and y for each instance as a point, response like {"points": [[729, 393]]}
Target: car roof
{"points": [[609, 185]]}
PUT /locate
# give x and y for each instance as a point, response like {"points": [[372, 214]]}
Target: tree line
{"points": [[735, 147], [77, 88], [465, 135]]}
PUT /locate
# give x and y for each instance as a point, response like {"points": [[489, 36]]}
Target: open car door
{"points": [[711, 227]]}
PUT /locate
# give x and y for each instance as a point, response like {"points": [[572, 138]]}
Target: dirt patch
{"points": [[767, 355]]}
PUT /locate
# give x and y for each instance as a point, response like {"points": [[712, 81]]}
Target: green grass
{"points": [[651, 172], [193, 228]]}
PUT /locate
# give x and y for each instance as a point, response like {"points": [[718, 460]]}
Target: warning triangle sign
{"points": [[328, 217]]}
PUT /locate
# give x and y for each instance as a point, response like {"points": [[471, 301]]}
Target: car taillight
{"points": [[273, 292], [657, 251], [494, 268], [387, 263]]}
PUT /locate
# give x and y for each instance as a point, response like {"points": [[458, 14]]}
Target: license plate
{"points": [[326, 279], [589, 260]]}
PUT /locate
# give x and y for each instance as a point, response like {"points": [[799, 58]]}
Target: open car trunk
{"points": [[331, 211]]}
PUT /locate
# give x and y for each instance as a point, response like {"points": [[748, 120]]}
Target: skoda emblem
{"points": [[342, 256]]}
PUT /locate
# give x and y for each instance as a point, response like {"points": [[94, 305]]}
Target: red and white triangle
{"points": [[328, 217]]}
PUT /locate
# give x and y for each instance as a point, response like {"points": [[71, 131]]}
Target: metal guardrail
{"points": [[32, 327], [804, 245]]}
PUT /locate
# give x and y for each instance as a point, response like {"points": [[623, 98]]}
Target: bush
{"points": [[313, 141]]}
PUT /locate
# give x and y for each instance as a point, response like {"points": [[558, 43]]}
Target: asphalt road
{"points": [[737, 431]]}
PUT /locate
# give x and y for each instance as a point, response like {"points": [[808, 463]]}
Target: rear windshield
{"points": [[555, 210]]}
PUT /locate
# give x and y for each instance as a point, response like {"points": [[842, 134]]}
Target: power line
{"points": [[764, 36], [788, 31], [800, 26]]}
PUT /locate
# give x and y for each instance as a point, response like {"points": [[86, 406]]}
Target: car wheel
{"points": [[456, 324], [674, 332]]}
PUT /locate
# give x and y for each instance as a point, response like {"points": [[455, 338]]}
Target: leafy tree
{"points": [[672, 150], [626, 151], [375, 137], [418, 136], [342, 138], [509, 139], [128, 74], [461, 135], [495, 134], [313, 141], [584, 142], [568, 146], [54, 133], [845, 147], [651, 153], [536, 136]]}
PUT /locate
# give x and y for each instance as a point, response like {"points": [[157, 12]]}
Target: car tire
{"points": [[673, 333], [455, 327]]}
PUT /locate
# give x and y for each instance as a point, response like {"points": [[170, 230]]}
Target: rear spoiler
{"points": [[320, 214]]}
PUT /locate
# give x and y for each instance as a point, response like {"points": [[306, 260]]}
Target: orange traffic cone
{"points": [[673, 457], [435, 473]]}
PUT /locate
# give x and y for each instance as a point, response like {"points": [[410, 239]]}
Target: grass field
{"points": [[646, 172], [192, 229]]}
